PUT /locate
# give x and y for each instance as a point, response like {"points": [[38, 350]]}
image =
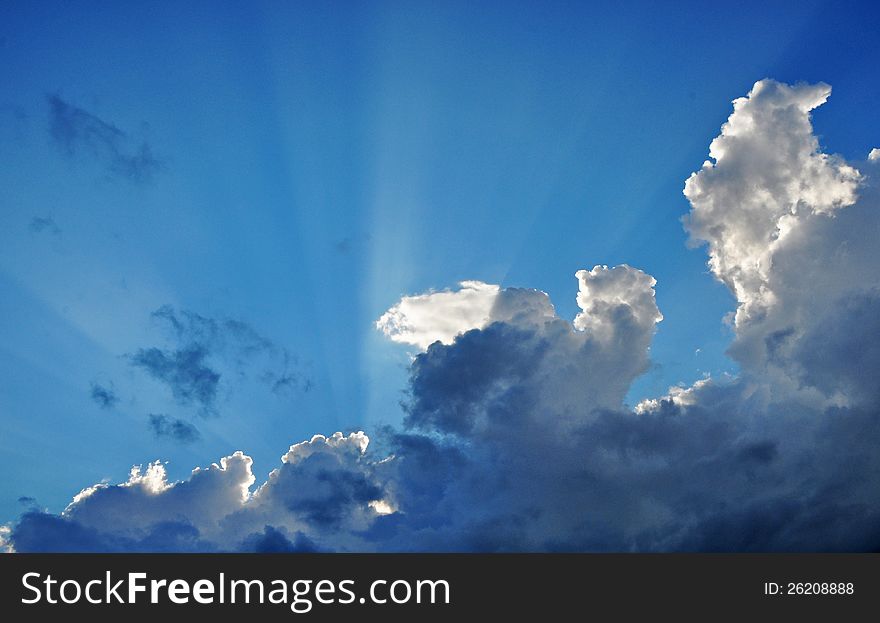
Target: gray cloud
{"points": [[76, 131], [274, 541], [174, 428]]}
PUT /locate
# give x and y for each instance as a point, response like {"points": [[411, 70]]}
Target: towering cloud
{"points": [[792, 231], [768, 176], [516, 436]]}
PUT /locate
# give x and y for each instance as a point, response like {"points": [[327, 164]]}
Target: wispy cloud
{"points": [[204, 352], [173, 428], [104, 397], [351, 244], [76, 131], [184, 371], [44, 224]]}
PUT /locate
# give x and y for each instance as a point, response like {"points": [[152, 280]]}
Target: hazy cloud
{"points": [[174, 428], [184, 371], [104, 397], [206, 350], [47, 224], [76, 131]]}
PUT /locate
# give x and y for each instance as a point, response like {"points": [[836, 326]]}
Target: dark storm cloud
{"points": [[76, 131], [103, 396], [335, 492], [841, 353], [274, 541], [451, 388], [174, 428], [43, 532]]}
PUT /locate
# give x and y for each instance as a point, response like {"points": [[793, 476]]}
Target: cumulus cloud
{"points": [[605, 294], [538, 361], [5, 543], [792, 231], [516, 435], [320, 487], [77, 131], [766, 175], [423, 319]]}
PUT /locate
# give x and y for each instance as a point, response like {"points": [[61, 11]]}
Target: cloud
{"points": [[343, 246], [792, 231], [40, 224], [538, 362], [184, 371], [206, 350], [274, 541], [874, 154], [351, 244], [516, 435], [320, 488], [77, 131], [176, 429], [424, 319], [104, 397], [334, 492], [5, 542], [766, 176]]}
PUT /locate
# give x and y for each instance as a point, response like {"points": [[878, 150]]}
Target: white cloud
{"points": [[131, 508], [676, 395], [792, 231], [423, 319], [603, 291], [323, 487], [874, 154], [5, 544], [431, 317], [768, 175]]}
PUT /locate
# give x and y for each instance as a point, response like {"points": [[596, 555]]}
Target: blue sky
{"points": [[310, 163]]}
